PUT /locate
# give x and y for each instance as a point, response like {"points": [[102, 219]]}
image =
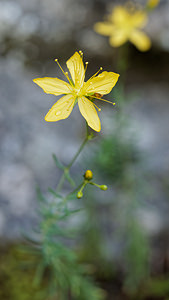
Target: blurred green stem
{"points": [[123, 62], [122, 66]]}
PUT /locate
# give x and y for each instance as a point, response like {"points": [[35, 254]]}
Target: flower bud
{"points": [[79, 194], [88, 175], [103, 187]]}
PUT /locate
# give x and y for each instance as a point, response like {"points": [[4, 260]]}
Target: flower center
{"points": [[78, 92]]}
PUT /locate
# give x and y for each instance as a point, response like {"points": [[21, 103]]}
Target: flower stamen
{"points": [[76, 90], [81, 53], [65, 73], [86, 65], [113, 103], [96, 73], [99, 109]]}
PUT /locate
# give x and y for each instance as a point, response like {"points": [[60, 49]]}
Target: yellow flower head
{"points": [[124, 25], [76, 90], [152, 3]]}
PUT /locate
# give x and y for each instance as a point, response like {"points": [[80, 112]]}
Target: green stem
{"points": [[81, 147], [78, 152], [71, 193], [67, 168], [61, 182]]}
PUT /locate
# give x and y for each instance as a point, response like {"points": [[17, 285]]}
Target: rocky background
{"points": [[32, 34]]}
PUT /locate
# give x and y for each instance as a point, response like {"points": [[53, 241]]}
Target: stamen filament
{"points": [[65, 73], [113, 103], [99, 109], [86, 64], [96, 73]]}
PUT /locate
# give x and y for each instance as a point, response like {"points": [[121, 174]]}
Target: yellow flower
{"points": [[152, 3], [77, 91], [124, 25]]}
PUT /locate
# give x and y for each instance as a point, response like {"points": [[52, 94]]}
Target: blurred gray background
{"points": [[32, 34]]}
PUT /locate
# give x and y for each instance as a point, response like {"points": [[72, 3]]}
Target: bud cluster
{"points": [[88, 176]]}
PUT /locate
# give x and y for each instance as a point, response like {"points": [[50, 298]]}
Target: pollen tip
{"points": [[99, 109], [86, 62], [101, 68], [56, 59], [114, 103]]}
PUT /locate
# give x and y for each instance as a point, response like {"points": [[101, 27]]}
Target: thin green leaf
{"points": [[39, 274], [57, 162], [54, 193], [40, 195], [72, 196], [31, 239], [69, 179]]}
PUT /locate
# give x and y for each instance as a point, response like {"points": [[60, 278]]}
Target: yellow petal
{"points": [[76, 69], [128, 17], [140, 40], [101, 84], [61, 109], [88, 111], [53, 86], [119, 15], [118, 38], [104, 28], [139, 19]]}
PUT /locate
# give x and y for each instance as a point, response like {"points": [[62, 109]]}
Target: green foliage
{"points": [[113, 157], [52, 252], [91, 249], [118, 160], [64, 169], [57, 162], [15, 282], [136, 256], [156, 287]]}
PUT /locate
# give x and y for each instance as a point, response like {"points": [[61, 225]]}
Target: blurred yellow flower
{"points": [[77, 91], [124, 25], [152, 3]]}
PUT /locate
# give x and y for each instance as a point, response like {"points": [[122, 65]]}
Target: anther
{"points": [[81, 53], [86, 64], [99, 109]]}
